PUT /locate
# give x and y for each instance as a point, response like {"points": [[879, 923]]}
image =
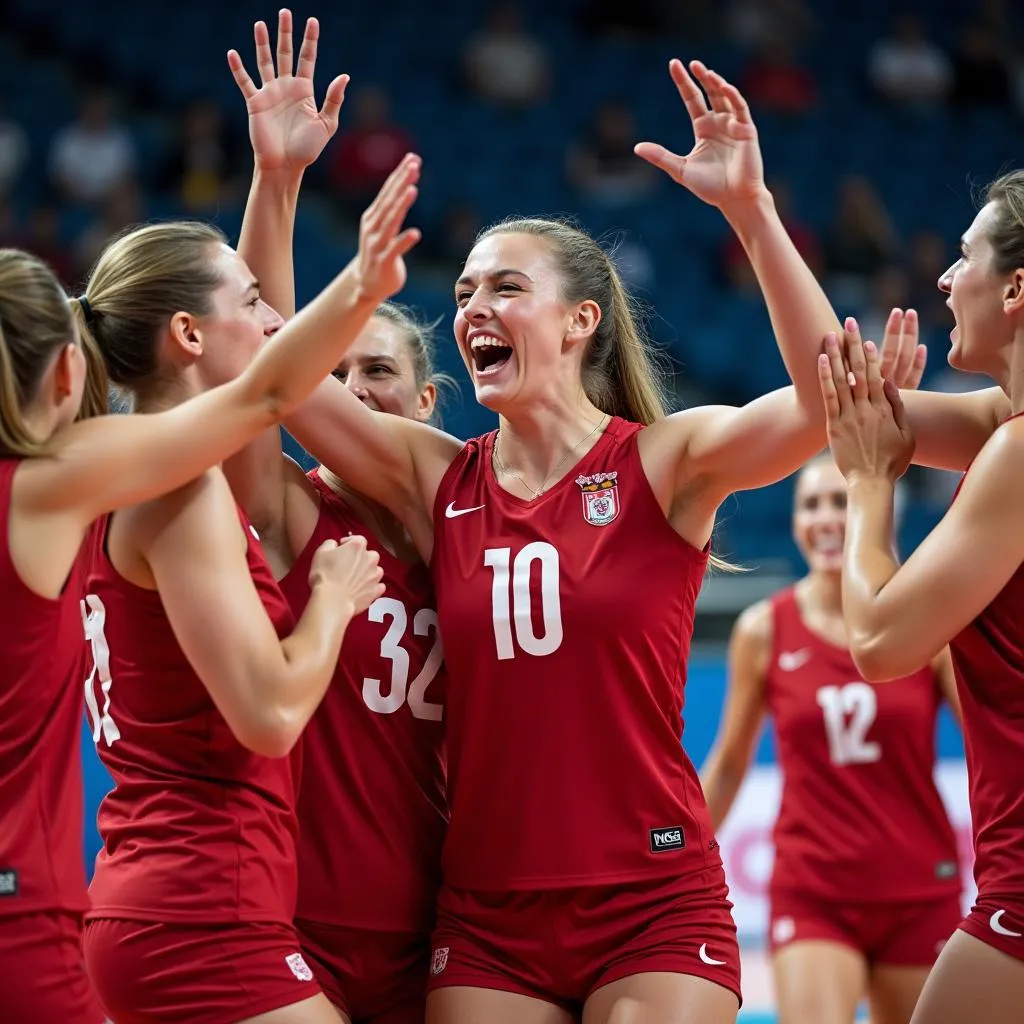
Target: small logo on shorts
{"points": [[995, 923], [665, 839], [8, 882], [946, 869], [707, 958], [299, 967], [783, 929], [439, 961]]}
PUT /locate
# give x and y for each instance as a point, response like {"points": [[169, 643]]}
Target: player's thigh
{"points": [[972, 981], [315, 1010], [658, 997], [893, 992], [459, 1004], [818, 980]]}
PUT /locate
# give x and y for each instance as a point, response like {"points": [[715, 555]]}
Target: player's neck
{"points": [[1014, 384], [168, 392], [824, 591], [548, 441]]}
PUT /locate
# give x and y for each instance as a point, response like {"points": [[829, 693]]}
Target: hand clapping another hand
{"points": [[867, 424]]}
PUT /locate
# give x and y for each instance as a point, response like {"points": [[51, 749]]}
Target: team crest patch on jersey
{"points": [[600, 497], [439, 961], [299, 967]]}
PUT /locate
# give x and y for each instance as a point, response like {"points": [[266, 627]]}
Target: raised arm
{"points": [[288, 133], [724, 168], [265, 687], [900, 617], [106, 463], [749, 654]]}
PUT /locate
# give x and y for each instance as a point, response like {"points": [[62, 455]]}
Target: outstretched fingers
{"points": [[245, 84], [664, 159], [333, 99], [307, 52], [873, 373], [284, 43], [856, 359], [405, 174], [712, 84], [264, 55], [826, 379], [689, 91]]}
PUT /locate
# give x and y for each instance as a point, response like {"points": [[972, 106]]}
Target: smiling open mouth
{"points": [[489, 354]]}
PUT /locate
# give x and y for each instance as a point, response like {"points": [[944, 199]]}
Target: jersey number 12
{"points": [[847, 739]]}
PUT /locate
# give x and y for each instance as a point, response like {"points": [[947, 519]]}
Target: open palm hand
{"points": [[725, 163], [286, 129]]}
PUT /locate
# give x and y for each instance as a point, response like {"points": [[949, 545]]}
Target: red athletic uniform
{"points": [[864, 850], [194, 890], [568, 621], [372, 807], [988, 657], [42, 875]]}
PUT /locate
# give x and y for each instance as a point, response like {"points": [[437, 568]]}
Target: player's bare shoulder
{"points": [[752, 637]]}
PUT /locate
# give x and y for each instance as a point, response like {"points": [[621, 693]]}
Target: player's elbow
{"points": [[880, 657], [272, 733]]}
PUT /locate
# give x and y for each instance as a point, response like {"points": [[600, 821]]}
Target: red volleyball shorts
{"points": [[149, 972], [372, 976], [560, 945], [905, 934], [44, 972], [999, 923]]}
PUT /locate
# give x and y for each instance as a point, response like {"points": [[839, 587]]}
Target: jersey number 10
{"points": [[512, 602]]}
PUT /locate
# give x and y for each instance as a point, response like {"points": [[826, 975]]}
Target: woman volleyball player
{"points": [[202, 681], [963, 586]]}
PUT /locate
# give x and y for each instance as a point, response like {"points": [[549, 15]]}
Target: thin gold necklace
{"points": [[537, 493]]}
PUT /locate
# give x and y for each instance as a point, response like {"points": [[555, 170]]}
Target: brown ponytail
{"points": [[95, 396], [35, 325]]}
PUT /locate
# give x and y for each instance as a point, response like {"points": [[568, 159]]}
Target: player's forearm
{"points": [[268, 231], [311, 344], [800, 312], [309, 657], [721, 782], [869, 564]]}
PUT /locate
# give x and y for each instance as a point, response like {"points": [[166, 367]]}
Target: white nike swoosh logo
{"points": [[790, 661], [451, 512], [993, 923], [708, 960]]}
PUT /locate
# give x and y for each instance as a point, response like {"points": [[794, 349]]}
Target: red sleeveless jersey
{"points": [[567, 624], [197, 827], [988, 658], [41, 864], [372, 807], [861, 817]]}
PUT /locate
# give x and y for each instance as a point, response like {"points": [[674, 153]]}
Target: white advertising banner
{"points": [[746, 840]]}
